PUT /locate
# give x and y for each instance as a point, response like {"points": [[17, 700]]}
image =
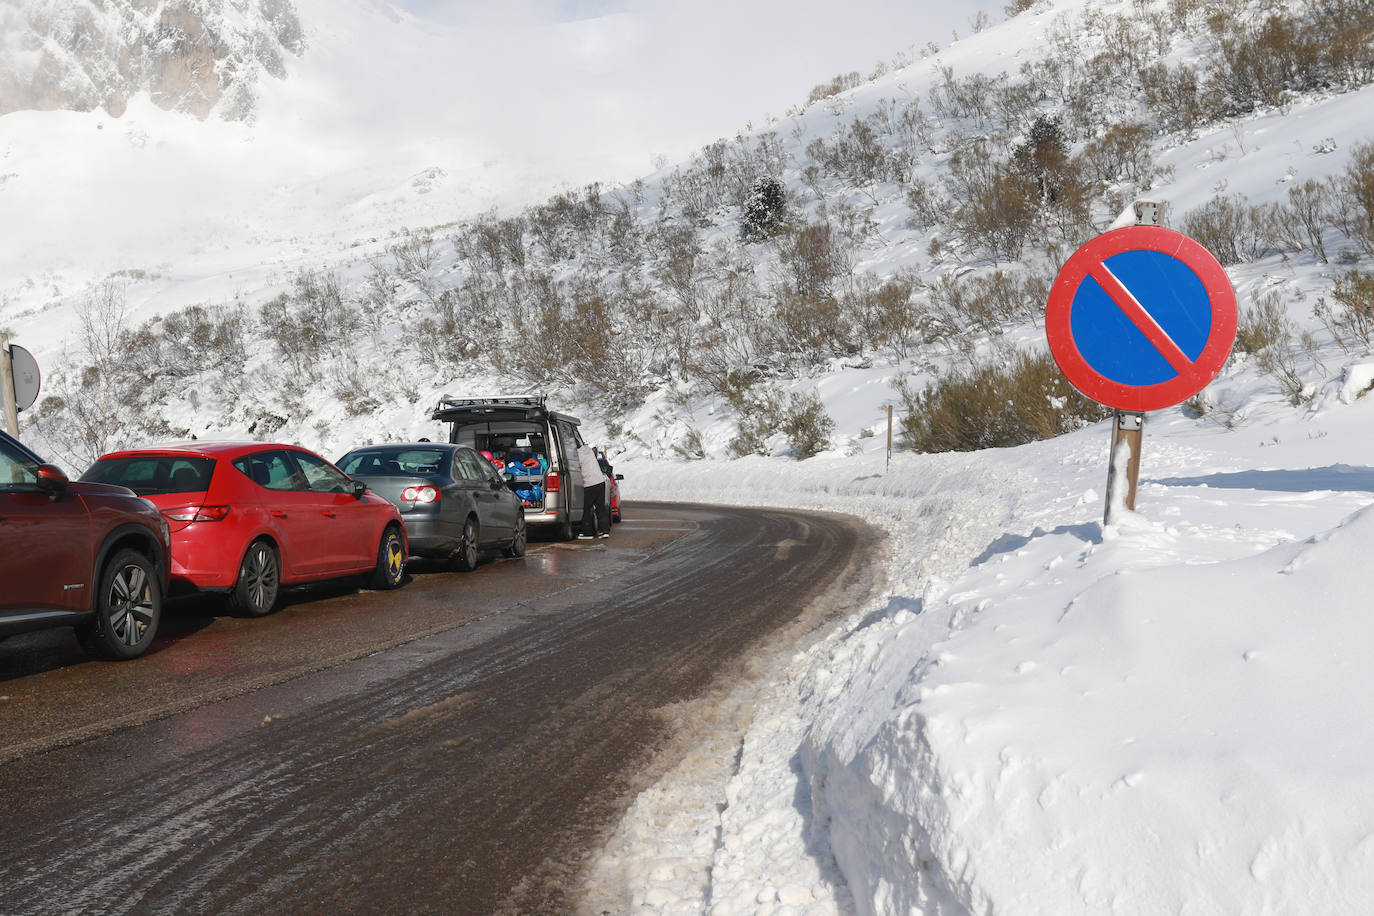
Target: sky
{"points": [[632, 81]]}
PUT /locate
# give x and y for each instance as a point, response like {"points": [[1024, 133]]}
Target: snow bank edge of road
{"points": [[791, 790]]}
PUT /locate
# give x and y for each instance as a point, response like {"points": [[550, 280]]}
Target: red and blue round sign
{"points": [[1141, 318]]}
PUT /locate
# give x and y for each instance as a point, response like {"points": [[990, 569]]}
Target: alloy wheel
{"points": [[131, 604]]}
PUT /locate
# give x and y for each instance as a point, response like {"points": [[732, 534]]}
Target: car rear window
{"points": [[379, 462], [148, 475]]}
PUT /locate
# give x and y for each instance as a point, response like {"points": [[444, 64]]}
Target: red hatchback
{"points": [[247, 517]]}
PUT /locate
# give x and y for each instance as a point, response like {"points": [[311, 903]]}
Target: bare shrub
{"points": [[983, 304], [1308, 204], [812, 327], [928, 205], [1024, 399], [1352, 197], [93, 403], [1122, 153], [837, 84], [807, 425], [759, 418], [996, 207], [188, 343], [310, 320], [461, 327], [814, 259], [1231, 229], [856, 152], [1344, 32], [1254, 65], [1352, 322], [690, 447], [678, 249], [971, 98], [888, 317], [581, 338], [1177, 97], [415, 255], [733, 322], [1266, 332], [353, 389]]}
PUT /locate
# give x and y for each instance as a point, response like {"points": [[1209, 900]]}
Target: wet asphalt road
{"points": [[458, 746]]}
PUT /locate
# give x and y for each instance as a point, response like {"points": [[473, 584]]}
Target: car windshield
{"points": [[149, 475], [380, 462]]}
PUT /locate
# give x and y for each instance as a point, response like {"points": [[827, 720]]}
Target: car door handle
{"points": [[329, 513], [277, 513]]}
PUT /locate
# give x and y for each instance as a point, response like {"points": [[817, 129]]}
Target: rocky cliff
{"points": [[202, 57]]}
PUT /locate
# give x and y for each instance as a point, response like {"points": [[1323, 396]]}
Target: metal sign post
{"points": [[7, 384], [889, 436], [1128, 434]]}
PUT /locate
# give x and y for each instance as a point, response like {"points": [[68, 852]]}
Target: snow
{"points": [[1041, 714], [1037, 713]]}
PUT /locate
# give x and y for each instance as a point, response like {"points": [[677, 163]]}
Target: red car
{"points": [[248, 517], [78, 554], [612, 482]]}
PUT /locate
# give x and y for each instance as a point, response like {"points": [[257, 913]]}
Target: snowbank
{"points": [[1168, 715]]}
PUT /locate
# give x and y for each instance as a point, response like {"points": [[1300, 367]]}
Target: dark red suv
{"points": [[84, 555]]}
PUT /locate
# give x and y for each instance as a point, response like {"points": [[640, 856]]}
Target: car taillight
{"points": [[197, 513], [420, 494], [552, 483]]}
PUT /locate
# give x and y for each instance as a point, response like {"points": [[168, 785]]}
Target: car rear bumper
{"points": [[431, 537], [203, 558]]}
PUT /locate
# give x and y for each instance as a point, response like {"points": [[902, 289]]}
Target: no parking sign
{"points": [[1141, 318]]}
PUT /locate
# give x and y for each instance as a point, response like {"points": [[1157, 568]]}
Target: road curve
{"points": [[454, 747]]}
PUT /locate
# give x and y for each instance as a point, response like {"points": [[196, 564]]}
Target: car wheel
{"points": [[519, 539], [255, 593], [391, 561], [565, 530], [128, 608], [465, 557]]}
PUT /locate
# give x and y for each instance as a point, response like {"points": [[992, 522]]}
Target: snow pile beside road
{"points": [[1043, 715]]}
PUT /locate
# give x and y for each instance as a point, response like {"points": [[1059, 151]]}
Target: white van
{"points": [[533, 447]]}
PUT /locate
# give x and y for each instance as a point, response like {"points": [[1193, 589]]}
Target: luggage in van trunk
{"points": [[533, 447]]}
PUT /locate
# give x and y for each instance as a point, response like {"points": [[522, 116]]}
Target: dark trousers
{"points": [[596, 514]]}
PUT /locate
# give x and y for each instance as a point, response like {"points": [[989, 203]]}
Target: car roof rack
{"points": [[532, 405], [519, 400]]}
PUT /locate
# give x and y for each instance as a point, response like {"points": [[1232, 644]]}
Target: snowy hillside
{"points": [[1041, 714]]}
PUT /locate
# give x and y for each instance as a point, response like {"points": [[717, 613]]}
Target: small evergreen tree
{"points": [[765, 209], [1044, 156]]}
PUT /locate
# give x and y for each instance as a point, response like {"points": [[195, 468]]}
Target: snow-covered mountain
{"points": [[200, 57]]}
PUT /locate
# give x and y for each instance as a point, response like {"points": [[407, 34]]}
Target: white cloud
{"points": [[622, 80]]}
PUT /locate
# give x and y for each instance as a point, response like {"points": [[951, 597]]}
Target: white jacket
{"points": [[591, 468]]}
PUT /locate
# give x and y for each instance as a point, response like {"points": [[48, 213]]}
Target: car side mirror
{"points": [[52, 481], [359, 488]]}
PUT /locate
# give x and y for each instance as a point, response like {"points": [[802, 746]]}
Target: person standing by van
{"points": [[596, 511]]}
